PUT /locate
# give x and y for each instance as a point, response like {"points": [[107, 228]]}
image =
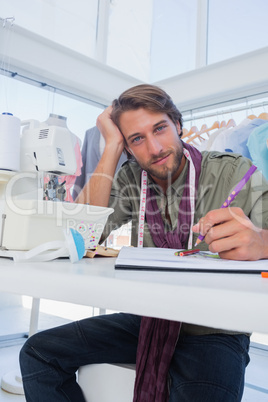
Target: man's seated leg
{"points": [[50, 359], [209, 368]]}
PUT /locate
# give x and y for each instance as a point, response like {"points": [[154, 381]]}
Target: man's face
{"points": [[152, 138]]}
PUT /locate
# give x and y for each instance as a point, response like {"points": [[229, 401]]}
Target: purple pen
{"points": [[233, 194]]}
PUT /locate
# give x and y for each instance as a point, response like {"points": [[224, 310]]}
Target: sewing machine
{"points": [[48, 151], [33, 202]]}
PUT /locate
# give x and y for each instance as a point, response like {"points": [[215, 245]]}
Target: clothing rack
{"points": [[224, 111]]}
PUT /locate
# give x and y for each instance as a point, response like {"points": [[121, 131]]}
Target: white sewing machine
{"points": [[32, 201], [47, 151]]}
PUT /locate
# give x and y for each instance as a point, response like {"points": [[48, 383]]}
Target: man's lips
{"points": [[161, 160]]}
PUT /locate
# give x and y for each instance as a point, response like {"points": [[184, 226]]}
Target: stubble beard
{"points": [[163, 172]]}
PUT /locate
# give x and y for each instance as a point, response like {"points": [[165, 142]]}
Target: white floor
{"points": [[256, 387], [15, 320]]}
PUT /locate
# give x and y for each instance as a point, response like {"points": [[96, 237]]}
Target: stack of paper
{"points": [[164, 259]]}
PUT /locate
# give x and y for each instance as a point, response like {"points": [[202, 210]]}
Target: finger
{"points": [[207, 221], [222, 215], [240, 246], [219, 216], [238, 254], [223, 244], [202, 227], [224, 230]]}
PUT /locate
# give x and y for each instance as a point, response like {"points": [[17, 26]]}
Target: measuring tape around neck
{"points": [[143, 200], [142, 207]]}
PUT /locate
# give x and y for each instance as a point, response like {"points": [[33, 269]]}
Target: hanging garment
{"points": [[222, 141], [237, 143], [258, 148], [208, 144]]}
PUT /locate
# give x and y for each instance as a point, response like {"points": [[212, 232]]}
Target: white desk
{"points": [[230, 301]]}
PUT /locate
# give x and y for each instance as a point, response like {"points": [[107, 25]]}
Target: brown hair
{"points": [[149, 97]]}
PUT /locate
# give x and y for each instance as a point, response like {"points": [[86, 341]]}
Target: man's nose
{"points": [[154, 146]]}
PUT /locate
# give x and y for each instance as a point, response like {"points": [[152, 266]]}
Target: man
{"points": [[175, 362]]}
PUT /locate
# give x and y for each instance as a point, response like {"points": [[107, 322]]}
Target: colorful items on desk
{"points": [[187, 252]]}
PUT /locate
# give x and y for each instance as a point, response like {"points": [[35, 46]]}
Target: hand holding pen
{"points": [[233, 194], [229, 232]]}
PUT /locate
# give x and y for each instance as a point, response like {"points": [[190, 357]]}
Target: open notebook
{"points": [[164, 259]]}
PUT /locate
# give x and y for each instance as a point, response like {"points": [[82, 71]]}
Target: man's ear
{"points": [[178, 126]]}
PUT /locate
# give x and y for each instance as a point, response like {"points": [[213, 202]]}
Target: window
{"points": [[236, 27], [129, 37], [173, 46], [27, 101], [152, 42], [62, 21]]}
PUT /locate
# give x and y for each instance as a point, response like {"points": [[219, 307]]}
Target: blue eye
{"points": [[136, 139], [160, 128]]}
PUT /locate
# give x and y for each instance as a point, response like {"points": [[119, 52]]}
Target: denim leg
{"points": [[50, 359], [209, 368]]}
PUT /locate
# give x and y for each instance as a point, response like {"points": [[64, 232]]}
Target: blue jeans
{"points": [[205, 368]]}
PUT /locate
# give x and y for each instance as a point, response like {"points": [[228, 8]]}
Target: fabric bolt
{"points": [[258, 148], [157, 339]]}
